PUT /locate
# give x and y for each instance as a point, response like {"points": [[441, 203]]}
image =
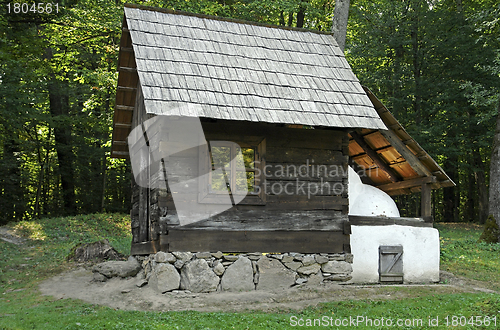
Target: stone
{"points": [[297, 256], [336, 257], [165, 257], [349, 257], [239, 276], [219, 269], [203, 255], [164, 278], [308, 260], [276, 256], [98, 277], [126, 290], [337, 267], [308, 270], [254, 267], [231, 257], [254, 258], [140, 275], [179, 263], [148, 269], [315, 279], [273, 275], [287, 259], [256, 278], [118, 268], [226, 263], [294, 265], [96, 252], [217, 255], [184, 256], [338, 277], [321, 259], [301, 280], [145, 262], [141, 283], [197, 277]]}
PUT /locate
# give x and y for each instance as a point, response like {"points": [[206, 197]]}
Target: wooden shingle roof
{"points": [[203, 66]]}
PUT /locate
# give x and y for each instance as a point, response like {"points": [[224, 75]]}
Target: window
{"points": [[241, 176]]}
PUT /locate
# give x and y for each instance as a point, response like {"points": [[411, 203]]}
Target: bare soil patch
{"points": [[124, 294], [8, 235]]}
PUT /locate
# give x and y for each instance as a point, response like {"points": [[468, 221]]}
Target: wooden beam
{"points": [[426, 202], [120, 143], [393, 176], [410, 157], [407, 183], [145, 248], [379, 150], [127, 49], [124, 107], [120, 153], [127, 69], [126, 89], [253, 241], [357, 220], [122, 125]]}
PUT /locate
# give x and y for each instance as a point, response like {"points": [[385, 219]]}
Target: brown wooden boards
{"points": [[255, 241], [391, 264], [357, 220]]}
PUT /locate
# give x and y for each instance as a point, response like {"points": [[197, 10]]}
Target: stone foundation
{"points": [[209, 272]]}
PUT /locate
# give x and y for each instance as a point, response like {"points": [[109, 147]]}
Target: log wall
{"points": [[304, 205]]}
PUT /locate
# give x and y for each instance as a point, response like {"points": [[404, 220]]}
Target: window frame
{"points": [[207, 196]]}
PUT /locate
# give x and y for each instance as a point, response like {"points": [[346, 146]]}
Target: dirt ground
{"points": [[124, 294]]}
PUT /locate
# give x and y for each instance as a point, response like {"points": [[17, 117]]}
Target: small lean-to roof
{"points": [[204, 66], [392, 160]]}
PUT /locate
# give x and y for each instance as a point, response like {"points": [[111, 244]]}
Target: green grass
{"points": [[22, 269], [462, 255]]}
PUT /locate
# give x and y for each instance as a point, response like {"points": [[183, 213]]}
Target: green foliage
{"points": [[491, 231], [436, 65]]}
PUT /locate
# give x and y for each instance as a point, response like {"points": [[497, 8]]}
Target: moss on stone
{"points": [[491, 231]]}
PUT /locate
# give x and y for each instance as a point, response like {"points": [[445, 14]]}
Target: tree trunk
{"points": [[451, 194], [301, 14], [482, 192], [340, 17], [494, 201], [59, 109]]}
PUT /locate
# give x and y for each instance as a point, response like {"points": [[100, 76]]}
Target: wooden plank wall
{"points": [[295, 148], [317, 158], [139, 214]]}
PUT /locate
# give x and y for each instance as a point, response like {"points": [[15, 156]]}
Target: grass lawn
{"points": [[23, 267]]}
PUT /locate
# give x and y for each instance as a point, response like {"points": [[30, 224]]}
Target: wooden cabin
{"points": [[289, 99]]}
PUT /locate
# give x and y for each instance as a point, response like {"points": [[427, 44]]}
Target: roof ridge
{"points": [[224, 19]]}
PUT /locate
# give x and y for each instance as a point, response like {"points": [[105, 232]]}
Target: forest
{"points": [[435, 64]]}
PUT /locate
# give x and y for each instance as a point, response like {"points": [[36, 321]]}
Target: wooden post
{"points": [[426, 204]]}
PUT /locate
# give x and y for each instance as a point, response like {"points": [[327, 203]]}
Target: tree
{"points": [[340, 18], [494, 201]]}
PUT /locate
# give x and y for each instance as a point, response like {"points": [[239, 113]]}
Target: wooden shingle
{"points": [[240, 71]]}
